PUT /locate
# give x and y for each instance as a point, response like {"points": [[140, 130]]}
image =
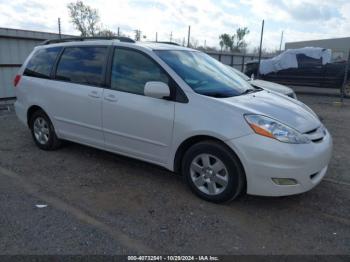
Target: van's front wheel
{"points": [[213, 172], [43, 131]]}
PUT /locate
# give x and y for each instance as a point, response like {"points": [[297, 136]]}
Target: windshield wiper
{"points": [[250, 90]]}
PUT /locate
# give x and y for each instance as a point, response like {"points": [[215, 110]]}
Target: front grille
{"points": [[316, 135], [311, 131]]}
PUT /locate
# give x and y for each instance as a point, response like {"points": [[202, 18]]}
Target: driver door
{"points": [[134, 124]]}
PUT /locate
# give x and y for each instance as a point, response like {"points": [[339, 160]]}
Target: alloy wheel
{"points": [[209, 174]]}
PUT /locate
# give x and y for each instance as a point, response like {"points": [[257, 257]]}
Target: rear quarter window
{"points": [[82, 65], [41, 63]]}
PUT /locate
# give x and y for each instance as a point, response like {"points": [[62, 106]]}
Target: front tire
{"points": [[213, 172], [43, 132]]}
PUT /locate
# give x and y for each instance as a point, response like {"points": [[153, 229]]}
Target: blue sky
{"points": [[299, 19]]}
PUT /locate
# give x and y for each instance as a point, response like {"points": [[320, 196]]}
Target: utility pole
{"points": [[156, 36], [59, 28], [189, 35], [281, 42], [118, 33], [261, 39], [171, 36], [205, 43]]}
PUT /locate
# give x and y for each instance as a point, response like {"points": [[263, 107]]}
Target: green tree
{"points": [[106, 33], [240, 43], [227, 42], [84, 18], [221, 44], [137, 35], [235, 42]]}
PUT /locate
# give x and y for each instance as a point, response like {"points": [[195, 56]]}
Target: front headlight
{"points": [[271, 128]]}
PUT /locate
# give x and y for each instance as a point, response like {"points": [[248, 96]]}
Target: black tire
{"points": [[236, 178], [53, 141]]}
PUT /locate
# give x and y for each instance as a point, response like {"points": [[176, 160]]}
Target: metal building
{"points": [[340, 46], [15, 46]]}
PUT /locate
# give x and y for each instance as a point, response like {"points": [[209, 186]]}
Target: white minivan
{"points": [[175, 107]]}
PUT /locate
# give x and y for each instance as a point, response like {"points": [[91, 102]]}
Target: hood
{"points": [[276, 106], [271, 86]]}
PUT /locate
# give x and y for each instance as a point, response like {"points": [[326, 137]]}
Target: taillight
{"points": [[16, 80]]}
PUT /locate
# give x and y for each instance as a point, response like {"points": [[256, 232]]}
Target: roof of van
{"points": [[148, 45], [161, 46]]}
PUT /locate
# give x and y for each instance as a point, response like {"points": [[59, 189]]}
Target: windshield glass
{"points": [[239, 73], [204, 74]]}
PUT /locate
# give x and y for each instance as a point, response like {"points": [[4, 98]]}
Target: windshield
{"points": [[204, 74], [239, 73]]}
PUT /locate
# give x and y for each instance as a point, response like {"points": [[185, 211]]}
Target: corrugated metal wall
{"points": [[15, 46], [12, 54]]}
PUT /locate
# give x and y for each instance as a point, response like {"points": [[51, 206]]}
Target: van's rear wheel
{"points": [[213, 172], [43, 131]]}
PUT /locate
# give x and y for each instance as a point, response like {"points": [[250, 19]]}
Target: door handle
{"points": [[111, 98], [94, 94]]}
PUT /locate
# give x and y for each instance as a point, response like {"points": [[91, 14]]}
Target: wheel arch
{"points": [[31, 111], [186, 144]]}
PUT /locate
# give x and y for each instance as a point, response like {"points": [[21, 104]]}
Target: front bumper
{"points": [[265, 158]]}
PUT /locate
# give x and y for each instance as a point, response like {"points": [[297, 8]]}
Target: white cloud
{"points": [[300, 19]]}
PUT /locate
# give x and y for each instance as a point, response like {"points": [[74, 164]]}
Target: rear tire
{"points": [[43, 132], [213, 172]]}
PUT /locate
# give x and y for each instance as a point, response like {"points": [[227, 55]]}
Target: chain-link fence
{"points": [[236, 60], [311, 76]]}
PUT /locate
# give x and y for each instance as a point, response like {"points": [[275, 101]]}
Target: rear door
{"points": [[77, 93], [133, 123]]}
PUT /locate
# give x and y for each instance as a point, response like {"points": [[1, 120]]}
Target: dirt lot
{"points": [[100, 203]]}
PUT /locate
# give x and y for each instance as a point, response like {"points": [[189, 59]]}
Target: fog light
{"points": [[285, 181]]}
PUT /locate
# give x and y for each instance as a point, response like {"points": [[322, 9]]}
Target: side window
{"points": [[41, 63], [82, 65], [131, 70]]}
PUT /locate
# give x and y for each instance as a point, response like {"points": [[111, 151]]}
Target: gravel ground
{"points": [[101, 203]]}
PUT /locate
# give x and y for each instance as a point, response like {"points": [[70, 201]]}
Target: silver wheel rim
{"points": [[41, 130], [209, 174]]}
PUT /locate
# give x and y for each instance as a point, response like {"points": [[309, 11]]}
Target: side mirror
{"points": [[156, 89]]}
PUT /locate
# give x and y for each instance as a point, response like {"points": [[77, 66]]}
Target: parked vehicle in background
{"points": [[285, 90], [175, 107], [306, 70]]}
